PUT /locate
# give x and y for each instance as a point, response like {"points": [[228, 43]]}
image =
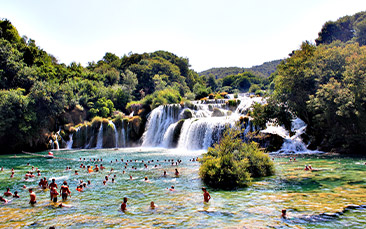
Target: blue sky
{"points": [[210, 33]]}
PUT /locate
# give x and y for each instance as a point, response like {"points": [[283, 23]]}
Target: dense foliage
{"points": [[231, 163], [348, 28], [38, 94], [325, 86]]}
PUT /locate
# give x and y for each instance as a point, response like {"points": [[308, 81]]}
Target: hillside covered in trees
{"points": [[325, 86], [264, 70], [346, 29], [39, 95]]}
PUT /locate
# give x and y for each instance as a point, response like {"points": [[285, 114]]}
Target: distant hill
{"points": [[264, 70]]}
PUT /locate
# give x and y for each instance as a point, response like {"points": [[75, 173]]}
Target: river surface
{"points": [[313, 199]]}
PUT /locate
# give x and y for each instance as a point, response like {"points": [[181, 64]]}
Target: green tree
{"points": [[231, 163], [211, 82]]}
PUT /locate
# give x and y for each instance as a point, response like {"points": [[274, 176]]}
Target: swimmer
{"points": [[32, 196], [124, 204], [112, 180], [172, 188], [2, 168], [104, 182], [147, 180], [8, 193], [16, 195], [306, 168], [79, 188], [206, 195], [65, 191], [176, 172], [152, 205], [164, 173], [62, 205], [131, 177], [89, 183], [76, 172], [12, 175], [2, 199], [96, 169], [283, 213]]}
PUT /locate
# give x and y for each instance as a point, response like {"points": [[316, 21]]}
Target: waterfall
{"points": [[291, 144], [69, 142], [204, 124], [100, 137], [123, 136], [158, 122], [116, 137], [52, 144], [202, 133], [168, 136], [246, 102]]}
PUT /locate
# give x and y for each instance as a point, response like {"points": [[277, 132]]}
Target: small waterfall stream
{"points": [[70, 142], [100, 137], [291, 144], [116, 135], [158, 123]]}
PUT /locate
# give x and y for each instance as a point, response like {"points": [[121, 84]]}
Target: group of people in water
{"points": [[65, 189]]}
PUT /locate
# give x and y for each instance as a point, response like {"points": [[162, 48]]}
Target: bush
{"points": [[233, 163], [190, 96]]}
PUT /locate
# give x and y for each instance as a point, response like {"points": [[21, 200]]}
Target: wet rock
{"points": [[187, 114], [217, 112]]}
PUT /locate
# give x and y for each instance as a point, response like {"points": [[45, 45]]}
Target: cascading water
{"points": [[116, 135], [292, 144], [202, 133], [158, 122], [123, 137], [70, 142], [203, 127], [100, 137], [56, 143]]}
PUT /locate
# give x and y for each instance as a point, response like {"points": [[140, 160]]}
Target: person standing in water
{"points": [[65, 191], [206, 195], [54, 194], [51, 186], [33, 197], [124, 204]]}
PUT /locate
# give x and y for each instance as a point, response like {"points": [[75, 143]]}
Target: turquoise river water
{"points": [[334, 196]]}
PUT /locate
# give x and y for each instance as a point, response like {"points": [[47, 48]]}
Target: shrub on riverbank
{"points": [[232, 163]]}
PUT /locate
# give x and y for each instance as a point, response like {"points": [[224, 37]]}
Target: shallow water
{"points": [[306, 195]]}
